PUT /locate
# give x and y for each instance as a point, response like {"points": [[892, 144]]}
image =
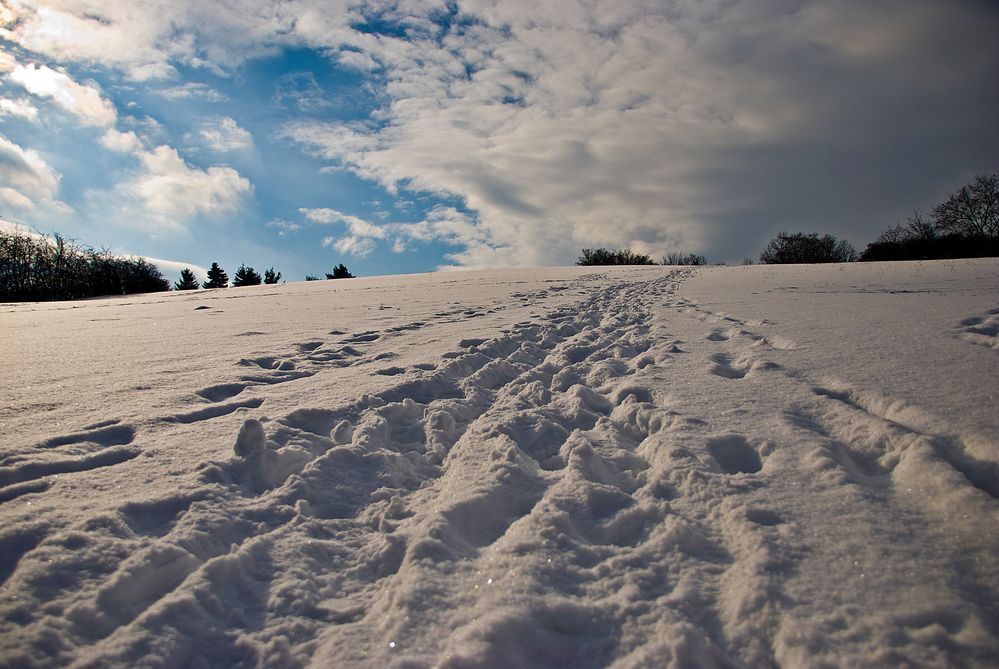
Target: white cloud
{"points": [[141, 40], [357, 60], [29, 180], [121, 142], [22, 108], [224, 135], [82, 100], [171, 189]]}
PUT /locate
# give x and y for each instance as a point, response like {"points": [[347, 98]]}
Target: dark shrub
{"points": [[340, 272], [618, 257], [798, 247]]}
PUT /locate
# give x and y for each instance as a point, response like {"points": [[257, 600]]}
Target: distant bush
{"points": [[245, 276], [217, 278], [938, 247], [187, 281], [310, 277], [608, 257], [39, 267], [681, 258], [340, 272], [270, 276], [798, 247]]}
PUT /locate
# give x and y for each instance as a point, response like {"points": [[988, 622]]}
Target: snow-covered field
{"points": [[572, 467]]}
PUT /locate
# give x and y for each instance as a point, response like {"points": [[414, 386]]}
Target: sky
{"points": [[413, 135]]}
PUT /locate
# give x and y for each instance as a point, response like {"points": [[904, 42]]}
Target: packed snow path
{"points": [[626, 478]]}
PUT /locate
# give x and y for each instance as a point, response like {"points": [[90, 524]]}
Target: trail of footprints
{"points": [[553, 407], [109, 444], [554, 391]]}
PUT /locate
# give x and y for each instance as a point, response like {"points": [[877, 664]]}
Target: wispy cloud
{"points": [[284, 227], [351, 244], [29, 181], [192, 90], [172, 268], [441, 224], [356, 225], [21, 107], [223, 134]]}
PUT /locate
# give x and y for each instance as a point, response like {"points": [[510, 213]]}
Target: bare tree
{"points": [[607, 257], [801, 248], [681, 258], [972, 210]]}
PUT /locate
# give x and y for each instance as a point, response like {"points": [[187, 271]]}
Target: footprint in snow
{"points": [[734, 454]]}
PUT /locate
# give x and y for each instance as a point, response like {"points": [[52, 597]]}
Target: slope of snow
{"points": [[626, 467]]}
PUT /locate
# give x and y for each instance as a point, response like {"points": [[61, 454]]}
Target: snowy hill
{"points": [[575, 467]]}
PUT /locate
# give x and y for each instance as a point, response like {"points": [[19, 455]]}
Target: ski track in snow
{"points": [[546, 497]]}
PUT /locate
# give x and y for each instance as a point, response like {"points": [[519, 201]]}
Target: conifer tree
{"points": [[270, 276], [187, 281], [245, 276], [217, 278]]}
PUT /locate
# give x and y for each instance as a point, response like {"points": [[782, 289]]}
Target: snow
{"points": [[582, 467]]}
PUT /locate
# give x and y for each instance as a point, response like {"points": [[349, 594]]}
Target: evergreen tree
{"points": [[217, 278], [245, 276], [187, 281], [270, 276], [340, 272]]}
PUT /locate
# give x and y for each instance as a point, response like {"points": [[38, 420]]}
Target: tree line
{"points": [[218, 278], [246, 276], [35, 267], [965, 225]]}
